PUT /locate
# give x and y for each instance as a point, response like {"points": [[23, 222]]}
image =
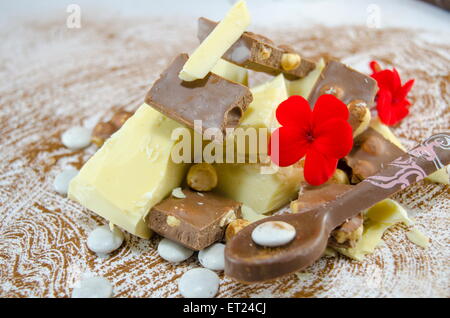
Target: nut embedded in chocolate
{"points": [[370, 152], [235, 227], [252, 51], [359, 117], [345, 83]]}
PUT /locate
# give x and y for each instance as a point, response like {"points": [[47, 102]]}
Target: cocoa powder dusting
{"points": [[59, 78]]}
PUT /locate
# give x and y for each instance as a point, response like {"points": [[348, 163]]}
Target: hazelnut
{"points": [[339, 177], [290, 61], [362, 169], [333, 90], [235, 227], [202, 177], [101, 132], [120, 118], [348, 238], [373, 145], [264, 52], [359, 116]]}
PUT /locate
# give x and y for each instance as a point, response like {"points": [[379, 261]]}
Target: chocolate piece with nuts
{"points": [[355, 89], [258, 53], [235, 227], [311, 197], [348, 234], [370, 152], [196, 221], [216, 101]]}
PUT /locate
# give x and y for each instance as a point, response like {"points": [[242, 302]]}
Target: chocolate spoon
{"points": [[245, 261]]}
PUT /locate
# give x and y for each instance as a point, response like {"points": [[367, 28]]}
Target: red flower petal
{"points": [[385, 80], [327, 107], [375, 67], [294, 111], [333, 138], [318, 167], [287, 145], [396, 81], [404, 90]]}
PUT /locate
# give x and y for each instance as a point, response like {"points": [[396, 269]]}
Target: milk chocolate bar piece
{"points": [[216, 101], [196, 221], [370, 152], [258, 53], [355, 89], [311, 197], [345, 83]]}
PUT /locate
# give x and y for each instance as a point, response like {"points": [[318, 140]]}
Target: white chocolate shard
{"points": [[228, 31]]}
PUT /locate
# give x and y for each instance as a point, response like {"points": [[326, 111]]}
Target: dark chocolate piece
{"points": [[246, 261], [370, 152], [345, 83], [196, 221], [258, 53], [216, 101]]}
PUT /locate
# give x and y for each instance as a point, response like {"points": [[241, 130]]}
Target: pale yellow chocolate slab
{"points": [[378, 219], [228, 31], [262, 192], [231, 72], [131, 173]]}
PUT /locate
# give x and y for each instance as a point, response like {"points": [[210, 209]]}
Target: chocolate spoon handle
{"points": [[248, 262], [429, 156]]}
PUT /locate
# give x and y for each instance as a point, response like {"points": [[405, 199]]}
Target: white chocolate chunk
{"points": [[76, 138], [303, 86], [266, 98], [93, 287], [62, 180], [213, 257], [103, 240], [250, 215], [231, 72], [418, 238], [173, 252], [273, 233], [378, 219], [199, 283], [121, 182], [262, 192], [228, 31]]}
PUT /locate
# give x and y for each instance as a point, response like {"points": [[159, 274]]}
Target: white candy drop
{"points": [[173, 252], [62, 180], [104, 241], [199, 283], [76, 138], [273, 233], [213, 257], [93, 287]]}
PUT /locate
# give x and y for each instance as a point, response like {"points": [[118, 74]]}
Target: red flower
{"points": [[392, 105], [323, 135]]}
